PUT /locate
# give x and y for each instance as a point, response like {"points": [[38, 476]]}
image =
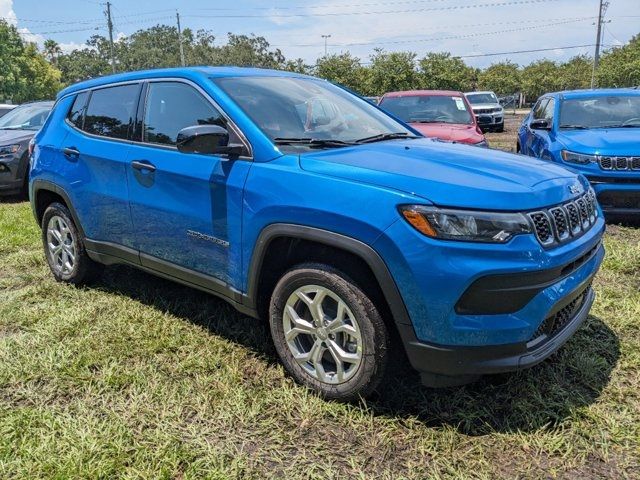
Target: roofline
{"points": [[175, 72]]}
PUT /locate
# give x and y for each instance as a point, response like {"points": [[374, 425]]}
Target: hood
{"points": [[8, 137], [602, 141], [449, 174], [449, 132]]}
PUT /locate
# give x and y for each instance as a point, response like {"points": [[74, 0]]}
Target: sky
{"points": [[472, 29]]}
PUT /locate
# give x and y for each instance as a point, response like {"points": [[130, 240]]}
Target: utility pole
{"points": [[110, 27], [596, 57], [325, 43], [180, 39]]}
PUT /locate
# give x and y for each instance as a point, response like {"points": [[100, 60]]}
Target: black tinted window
{"points": [[547, 114], [77, 109], [172, 106], [538, 109], [111, 110]]}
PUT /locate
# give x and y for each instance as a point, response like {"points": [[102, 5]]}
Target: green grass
{"points": [[137, 377]]}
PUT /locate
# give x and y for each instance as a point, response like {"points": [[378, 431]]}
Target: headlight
{"points": [[9, 149], [579, 158], [465, 225]]}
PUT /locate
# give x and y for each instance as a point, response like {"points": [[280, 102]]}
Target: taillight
{"points": [[32, 144]]}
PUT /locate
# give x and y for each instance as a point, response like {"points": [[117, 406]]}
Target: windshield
{"points": [[305, 109], [477, 98], [26, 117], [428, 109], [615, 111]]}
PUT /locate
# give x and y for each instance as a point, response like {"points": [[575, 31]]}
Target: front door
{"points": [[186, 208]]}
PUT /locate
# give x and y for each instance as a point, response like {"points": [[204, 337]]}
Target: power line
{"points": [[389, 12], [437, 39], [523, 51]]}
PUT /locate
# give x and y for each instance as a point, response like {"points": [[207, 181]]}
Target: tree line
{"points": [[27, 74]]}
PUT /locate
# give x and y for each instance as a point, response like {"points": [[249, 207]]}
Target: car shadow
{"points": [[537, 398], [624, 221]]}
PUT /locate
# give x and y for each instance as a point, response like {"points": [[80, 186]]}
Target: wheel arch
{"points": [[43, 194], [335, 242]]}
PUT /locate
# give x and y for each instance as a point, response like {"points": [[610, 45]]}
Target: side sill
{"points": [[109, 253]]}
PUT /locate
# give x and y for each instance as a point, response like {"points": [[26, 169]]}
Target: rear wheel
{"points": [[64, 247], [327, 332]]}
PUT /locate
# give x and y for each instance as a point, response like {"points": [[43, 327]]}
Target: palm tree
{"points": [[52, 50]]}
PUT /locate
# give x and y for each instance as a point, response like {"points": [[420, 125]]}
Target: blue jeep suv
{"points": [[594, 132], [298, 201]]}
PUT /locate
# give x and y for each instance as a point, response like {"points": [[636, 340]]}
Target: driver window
{"points": [[547, 113], [172, 106], [538, 110]]}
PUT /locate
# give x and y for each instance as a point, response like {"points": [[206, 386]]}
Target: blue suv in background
{"points": [[594, 132], [297, 201]]}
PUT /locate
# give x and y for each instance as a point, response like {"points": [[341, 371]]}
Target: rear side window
{"points": [[172, 106], [111, 111], [76, 114]]}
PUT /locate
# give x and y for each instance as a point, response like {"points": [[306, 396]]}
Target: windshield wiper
{"points": [[13, 127], [425, 121], [385, 136], [312, 142], [577, 127], [625, 125]]}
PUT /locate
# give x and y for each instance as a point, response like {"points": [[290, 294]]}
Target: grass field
{"points": [[137, 377]]}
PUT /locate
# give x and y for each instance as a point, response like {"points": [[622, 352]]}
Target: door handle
{"points": [[71, 152], [143, 165]]}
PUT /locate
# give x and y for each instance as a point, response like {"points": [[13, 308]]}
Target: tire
{"points": [[500, 129], [360, 339], [64, 250]]}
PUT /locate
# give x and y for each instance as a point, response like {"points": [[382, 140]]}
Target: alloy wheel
{"points": [[61, 245], [322, 334]]}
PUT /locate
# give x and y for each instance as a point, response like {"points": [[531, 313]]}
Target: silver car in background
{"points": [[487, 109]]}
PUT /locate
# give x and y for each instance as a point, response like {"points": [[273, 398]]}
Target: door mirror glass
{"points": [[206, 139], [540, 124]]}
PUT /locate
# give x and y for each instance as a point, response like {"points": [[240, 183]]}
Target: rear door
{"points": [[186, 208], [96, 149]]}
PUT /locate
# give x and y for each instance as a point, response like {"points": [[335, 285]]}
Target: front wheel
{"points": [[328, 333]]}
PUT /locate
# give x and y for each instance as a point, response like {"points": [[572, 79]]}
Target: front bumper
{"points": [[618, 196], [561, 323], [490, 120], [10, 178]]}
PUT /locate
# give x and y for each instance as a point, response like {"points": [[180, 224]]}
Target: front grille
{"points": [[559, 224], [562, 224], [543, 227], [556, 322], [619, 163]]}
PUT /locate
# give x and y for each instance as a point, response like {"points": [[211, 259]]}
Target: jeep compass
{"points": [[302, 203]]}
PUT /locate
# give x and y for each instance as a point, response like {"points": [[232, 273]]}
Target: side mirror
{"points": [[540, 124], [206, 139]]}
